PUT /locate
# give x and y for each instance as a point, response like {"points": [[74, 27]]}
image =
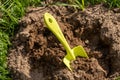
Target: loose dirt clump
{"points": [[36, 54]]}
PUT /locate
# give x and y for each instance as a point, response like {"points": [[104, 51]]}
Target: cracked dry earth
{"points": [[36, 54]]}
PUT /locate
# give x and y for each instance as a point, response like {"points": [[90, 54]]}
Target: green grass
{"points": [[83, 3], [11, 12], [110, 3], [4, 42]]}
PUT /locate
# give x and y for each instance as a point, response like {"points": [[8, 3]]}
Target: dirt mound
{"points": [[37, 54]]}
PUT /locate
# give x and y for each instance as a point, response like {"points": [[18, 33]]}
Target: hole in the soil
{"points": [[47, 32], [50, 20], [37, 45]]}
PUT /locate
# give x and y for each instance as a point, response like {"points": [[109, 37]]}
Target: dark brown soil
{"points": [[36, 54]]}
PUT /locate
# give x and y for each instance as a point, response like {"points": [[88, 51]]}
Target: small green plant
{"points": [[78, 3], [53, 26]]}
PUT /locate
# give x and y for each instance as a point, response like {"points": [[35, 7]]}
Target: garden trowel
{"points": [[53, 26]]}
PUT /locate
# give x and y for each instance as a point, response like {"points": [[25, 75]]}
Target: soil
{"points": [[36, 54]]}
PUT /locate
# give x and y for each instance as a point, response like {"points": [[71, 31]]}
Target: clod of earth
{"points": [[36, 54]]}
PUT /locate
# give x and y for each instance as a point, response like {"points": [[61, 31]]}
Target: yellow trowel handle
{"points": [[54, 27]]}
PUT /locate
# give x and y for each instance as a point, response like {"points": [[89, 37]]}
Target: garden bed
{"points": [[36, 54]]}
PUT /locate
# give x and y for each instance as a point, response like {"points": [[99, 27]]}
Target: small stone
{"points": [[87, 41]]}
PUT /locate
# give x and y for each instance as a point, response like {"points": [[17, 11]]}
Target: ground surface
{"points": [[37, 54]]}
